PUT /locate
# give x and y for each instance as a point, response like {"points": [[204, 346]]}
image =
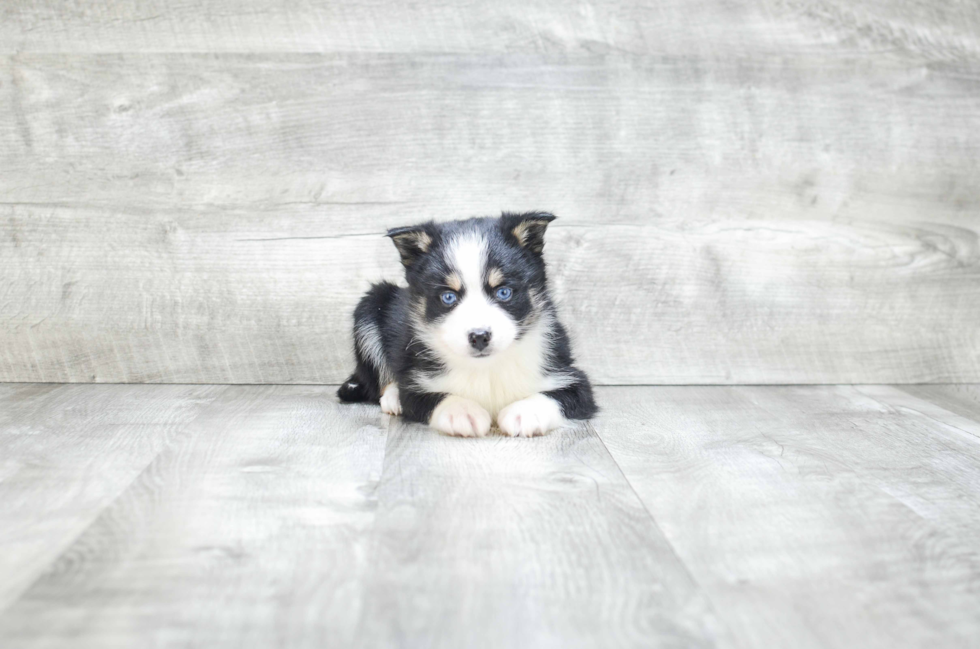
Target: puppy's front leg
{"points": [[542, 412], [390, 402], [535, 415], [447, 413], [458, 416]]}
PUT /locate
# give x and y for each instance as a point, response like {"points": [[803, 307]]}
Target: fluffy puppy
{"points": [[474, 338]]}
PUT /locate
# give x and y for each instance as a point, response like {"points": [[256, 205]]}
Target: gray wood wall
{"points": [[761, 192]]}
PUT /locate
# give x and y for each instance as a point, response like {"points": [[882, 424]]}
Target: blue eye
{"points": [[504, 293], [448, 298]]}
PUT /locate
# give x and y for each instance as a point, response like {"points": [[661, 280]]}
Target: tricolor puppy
{"points": [[474, 338]]}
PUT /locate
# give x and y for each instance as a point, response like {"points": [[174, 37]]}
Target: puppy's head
{"points": [[476, 285]]}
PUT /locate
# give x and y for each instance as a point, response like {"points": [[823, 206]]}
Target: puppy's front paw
{"points": [[459, 416], [390, 403], [535, 415]]}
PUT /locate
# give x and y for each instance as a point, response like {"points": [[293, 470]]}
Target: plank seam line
{"points": [[372, 535], [870, 480], [354, 235], [924, 414], [701, 589], [70, 543]]}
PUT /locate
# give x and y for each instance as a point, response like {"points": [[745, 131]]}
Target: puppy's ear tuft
{"points": [[412, 242], [527, 228]]}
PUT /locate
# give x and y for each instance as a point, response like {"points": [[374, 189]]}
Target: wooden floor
{"points": [[267, 516]]}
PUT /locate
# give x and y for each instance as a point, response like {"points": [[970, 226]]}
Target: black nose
{"points": [[479, 339]]}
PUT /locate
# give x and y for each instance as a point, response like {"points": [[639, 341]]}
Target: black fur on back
{"points": [[389, 314]]}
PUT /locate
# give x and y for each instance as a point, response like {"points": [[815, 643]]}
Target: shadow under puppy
{"points": [[474, 337]]}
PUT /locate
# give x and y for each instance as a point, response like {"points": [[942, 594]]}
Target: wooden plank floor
{"points": [[263, 516]]}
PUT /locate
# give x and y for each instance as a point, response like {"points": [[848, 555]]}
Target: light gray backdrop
{"points": [[765, 192]]}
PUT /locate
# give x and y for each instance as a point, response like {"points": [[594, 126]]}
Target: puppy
{"points": [[474, 338]]}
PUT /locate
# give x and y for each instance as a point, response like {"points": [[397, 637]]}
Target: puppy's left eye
{"points": [[504, 293]]}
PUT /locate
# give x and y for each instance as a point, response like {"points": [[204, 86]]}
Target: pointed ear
{"points": [[527, 228], [412, 242]]}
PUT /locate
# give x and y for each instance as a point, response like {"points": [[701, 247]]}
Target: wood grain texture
{"points": [[945, 408], [213, 218], [498, 543], [258, 516], [947, 29], [66, 453], [961, 399], [616, 137], [250, 533], [812, 517]]}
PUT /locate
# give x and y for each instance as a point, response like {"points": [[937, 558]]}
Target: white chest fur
{"points": [[496, 382]]}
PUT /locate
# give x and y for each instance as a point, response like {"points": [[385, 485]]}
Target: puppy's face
{"points": [[476, 285]]}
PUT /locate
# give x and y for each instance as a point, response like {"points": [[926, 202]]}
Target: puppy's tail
{"points": [[353, 390]]}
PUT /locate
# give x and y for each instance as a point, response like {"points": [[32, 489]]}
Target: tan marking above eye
{"points": [[454, 282], [495, 277]]}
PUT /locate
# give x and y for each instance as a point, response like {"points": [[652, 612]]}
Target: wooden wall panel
{"points": [[593, 138], [778, 193], [938, 28], [232, 297]]}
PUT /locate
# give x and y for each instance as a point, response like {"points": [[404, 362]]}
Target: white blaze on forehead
{"points": [[468, 255]]}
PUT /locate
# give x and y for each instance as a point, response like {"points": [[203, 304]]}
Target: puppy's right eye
{"points": [[448, 298]]}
